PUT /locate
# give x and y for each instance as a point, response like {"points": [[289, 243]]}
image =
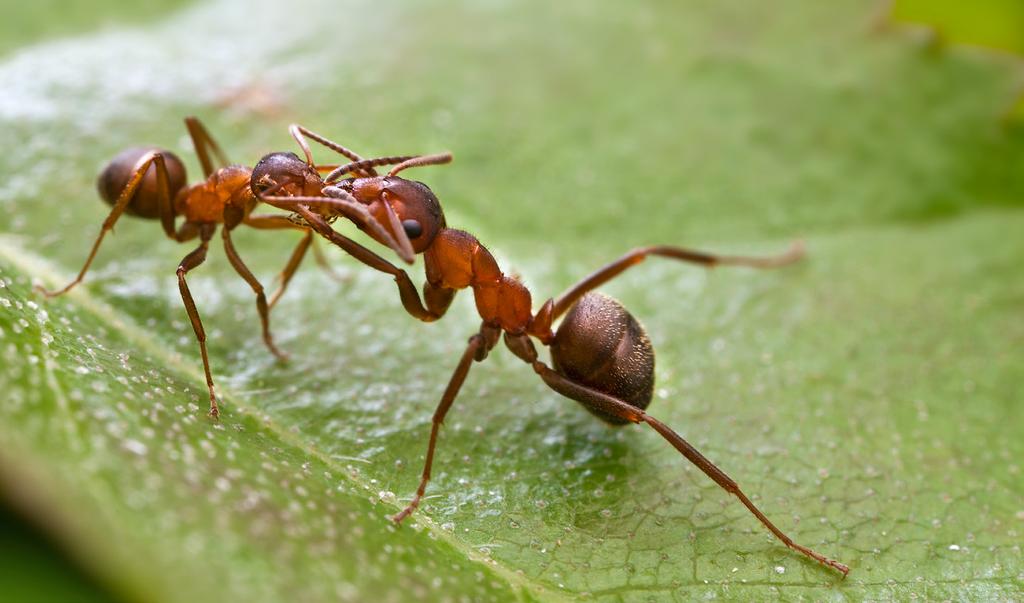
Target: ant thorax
{"points": [[206, 201]]}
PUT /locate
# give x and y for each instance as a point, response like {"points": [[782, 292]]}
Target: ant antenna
{"points": [[364, 164], [403, 162], [422, 160], [297, 133]]}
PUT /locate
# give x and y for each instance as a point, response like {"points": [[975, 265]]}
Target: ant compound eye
{"points": [[413, 229]]}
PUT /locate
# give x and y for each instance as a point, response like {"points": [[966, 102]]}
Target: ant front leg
{"points": [[156, 160], [343, 203], [610, 271], [276, 222], [479, 346], [197, 257], [437, 299], [257, 288]]}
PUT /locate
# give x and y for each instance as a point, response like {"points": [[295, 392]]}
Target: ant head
{"points": [[408, 209], [284, 174], [413, 204]]}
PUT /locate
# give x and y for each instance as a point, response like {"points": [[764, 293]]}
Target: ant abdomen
{"points": [[145, 203], [599, 344]]}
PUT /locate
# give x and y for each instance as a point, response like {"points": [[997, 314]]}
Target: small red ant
{"points": [[149, 182], [601, 355]]}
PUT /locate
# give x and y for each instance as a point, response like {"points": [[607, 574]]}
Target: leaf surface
{"points": [[867, 399]]}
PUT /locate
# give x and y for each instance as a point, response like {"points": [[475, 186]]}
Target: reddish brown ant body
{"points": [[150, 182], [601, 355]]}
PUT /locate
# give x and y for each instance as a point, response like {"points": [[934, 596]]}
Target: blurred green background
{"points": [[868, 398]]}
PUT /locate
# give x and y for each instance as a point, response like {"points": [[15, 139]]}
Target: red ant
{"points": [[601, 355], [149, 182]]}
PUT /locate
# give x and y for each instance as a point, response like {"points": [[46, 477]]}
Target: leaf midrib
{"points": [[32, 264]]}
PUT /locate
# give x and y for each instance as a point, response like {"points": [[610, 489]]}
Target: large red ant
{"points": [[601, 355], [149, 182]]}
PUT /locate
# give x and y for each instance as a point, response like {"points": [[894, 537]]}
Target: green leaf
{"points": [[992, 23], [867, 399]]}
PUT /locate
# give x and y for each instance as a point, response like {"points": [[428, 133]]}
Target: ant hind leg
{"points": [[627, 261], [610, 405], [155, 159]]}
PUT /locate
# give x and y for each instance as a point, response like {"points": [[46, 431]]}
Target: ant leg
{"points": [[261, 298], [298, 254], [123, 201], [187, 232], [325, 265], [438, 299], [197, 257], [271, 222], [274, 222], [346, 205], [479, 346], [616, 407], [610, 271], [203, 143]]}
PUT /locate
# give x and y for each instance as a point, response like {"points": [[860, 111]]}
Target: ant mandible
{"points": [[601, 355], [150, 182]]}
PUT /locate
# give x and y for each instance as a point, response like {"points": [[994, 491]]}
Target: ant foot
{"points": [[276, 351], [38, 288], [214, 409], [398, 517]]}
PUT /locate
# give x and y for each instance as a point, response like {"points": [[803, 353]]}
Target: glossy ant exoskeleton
{"points": [[601, 355], [149, 182]]}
